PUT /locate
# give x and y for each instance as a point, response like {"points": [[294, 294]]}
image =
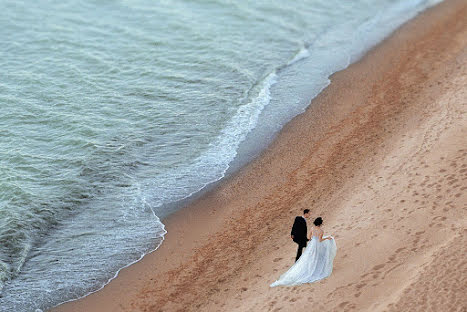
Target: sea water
{"points": [[111, 112]]}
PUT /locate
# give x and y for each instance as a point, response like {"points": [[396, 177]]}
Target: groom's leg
{"points": [[299, 250]]}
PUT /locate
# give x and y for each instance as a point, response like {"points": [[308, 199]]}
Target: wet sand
{"points": [[381, 155]]}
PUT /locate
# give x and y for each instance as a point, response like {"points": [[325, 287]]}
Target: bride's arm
{"points": [[323, 239]]}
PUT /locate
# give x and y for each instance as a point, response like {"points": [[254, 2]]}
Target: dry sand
{"points": [[381, 155]]}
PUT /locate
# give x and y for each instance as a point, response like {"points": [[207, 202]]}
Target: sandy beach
{"points": [[381, 155]]}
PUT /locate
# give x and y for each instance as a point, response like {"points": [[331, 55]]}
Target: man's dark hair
{"points": [[306, 211]]}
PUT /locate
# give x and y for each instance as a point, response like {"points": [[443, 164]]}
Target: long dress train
{"points": [[314, 264]]}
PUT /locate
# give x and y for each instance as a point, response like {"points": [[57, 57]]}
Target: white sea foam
{"points": [[301, 54], [212, 165]]}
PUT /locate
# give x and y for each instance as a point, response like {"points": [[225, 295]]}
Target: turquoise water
{"points": [[112, 111]]}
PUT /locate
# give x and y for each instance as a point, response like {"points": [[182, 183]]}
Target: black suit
{"points": [[299, 232]]}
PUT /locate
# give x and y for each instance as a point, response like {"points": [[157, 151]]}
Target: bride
{"points": [[315, 263]]}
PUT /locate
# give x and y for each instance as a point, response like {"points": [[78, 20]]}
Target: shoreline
{"points": [[303, 167]]}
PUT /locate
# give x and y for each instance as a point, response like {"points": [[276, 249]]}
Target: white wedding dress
{"points": [[314, 264]]}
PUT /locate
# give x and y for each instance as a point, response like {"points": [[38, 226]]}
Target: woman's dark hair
{"points": [[306, 211], [318, 221]]}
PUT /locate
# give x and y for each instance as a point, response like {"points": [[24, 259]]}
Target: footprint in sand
{"points": [[378, 267], [400, 250]]}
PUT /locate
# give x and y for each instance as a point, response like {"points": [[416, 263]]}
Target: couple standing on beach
{"points": [[316, 262]]}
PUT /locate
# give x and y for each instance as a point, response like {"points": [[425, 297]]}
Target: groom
{"points": [[299, 232]]}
